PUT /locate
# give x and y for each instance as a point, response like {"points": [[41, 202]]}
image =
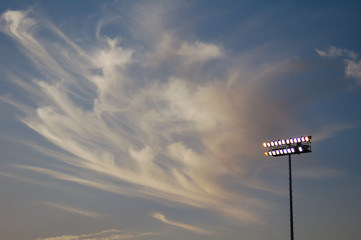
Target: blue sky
{"points": [[145, 119]]}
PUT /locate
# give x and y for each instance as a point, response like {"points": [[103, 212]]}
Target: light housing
{"points": [[288, 146]]}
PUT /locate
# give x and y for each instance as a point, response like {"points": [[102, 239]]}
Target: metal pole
{"points": [[291, 203]]}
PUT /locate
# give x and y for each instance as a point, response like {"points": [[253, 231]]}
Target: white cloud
{"points": [[353, 69], [331, 53], [334, 52], [174, 139], [139, 121], [199, 52], [16, 22], [71, 209], [113, 234], [181, 55], [192, 228], [353, 66], [21, 27]]}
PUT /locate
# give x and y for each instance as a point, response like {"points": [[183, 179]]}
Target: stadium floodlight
{"points": [[289, 146]]}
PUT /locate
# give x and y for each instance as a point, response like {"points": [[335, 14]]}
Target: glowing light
{"points": [[288, 146]]}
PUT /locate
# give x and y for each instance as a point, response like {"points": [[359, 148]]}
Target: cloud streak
{"points": [[71, 209], [162, 218], [113, 234]]}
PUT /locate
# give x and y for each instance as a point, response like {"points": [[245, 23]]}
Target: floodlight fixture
{"points": [[289, 146], [297, 146]]}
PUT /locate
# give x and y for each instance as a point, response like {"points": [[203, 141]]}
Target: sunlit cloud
{"points": [[113, 234], [71, 209], [199, 52], [149, 120], [133, 130], [192, 228], [353, 69], [334, 52], [353, 65]]}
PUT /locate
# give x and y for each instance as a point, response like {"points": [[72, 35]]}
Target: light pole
{"points": [[289, 147]]}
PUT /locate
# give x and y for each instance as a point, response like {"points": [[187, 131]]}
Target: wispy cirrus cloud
{"points": [[112, 234], [131, 129], [162, 218], [75, 210], [332, 130], [163, 117]]}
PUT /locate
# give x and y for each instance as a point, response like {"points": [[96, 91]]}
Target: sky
{"points": [[145, 119]]}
